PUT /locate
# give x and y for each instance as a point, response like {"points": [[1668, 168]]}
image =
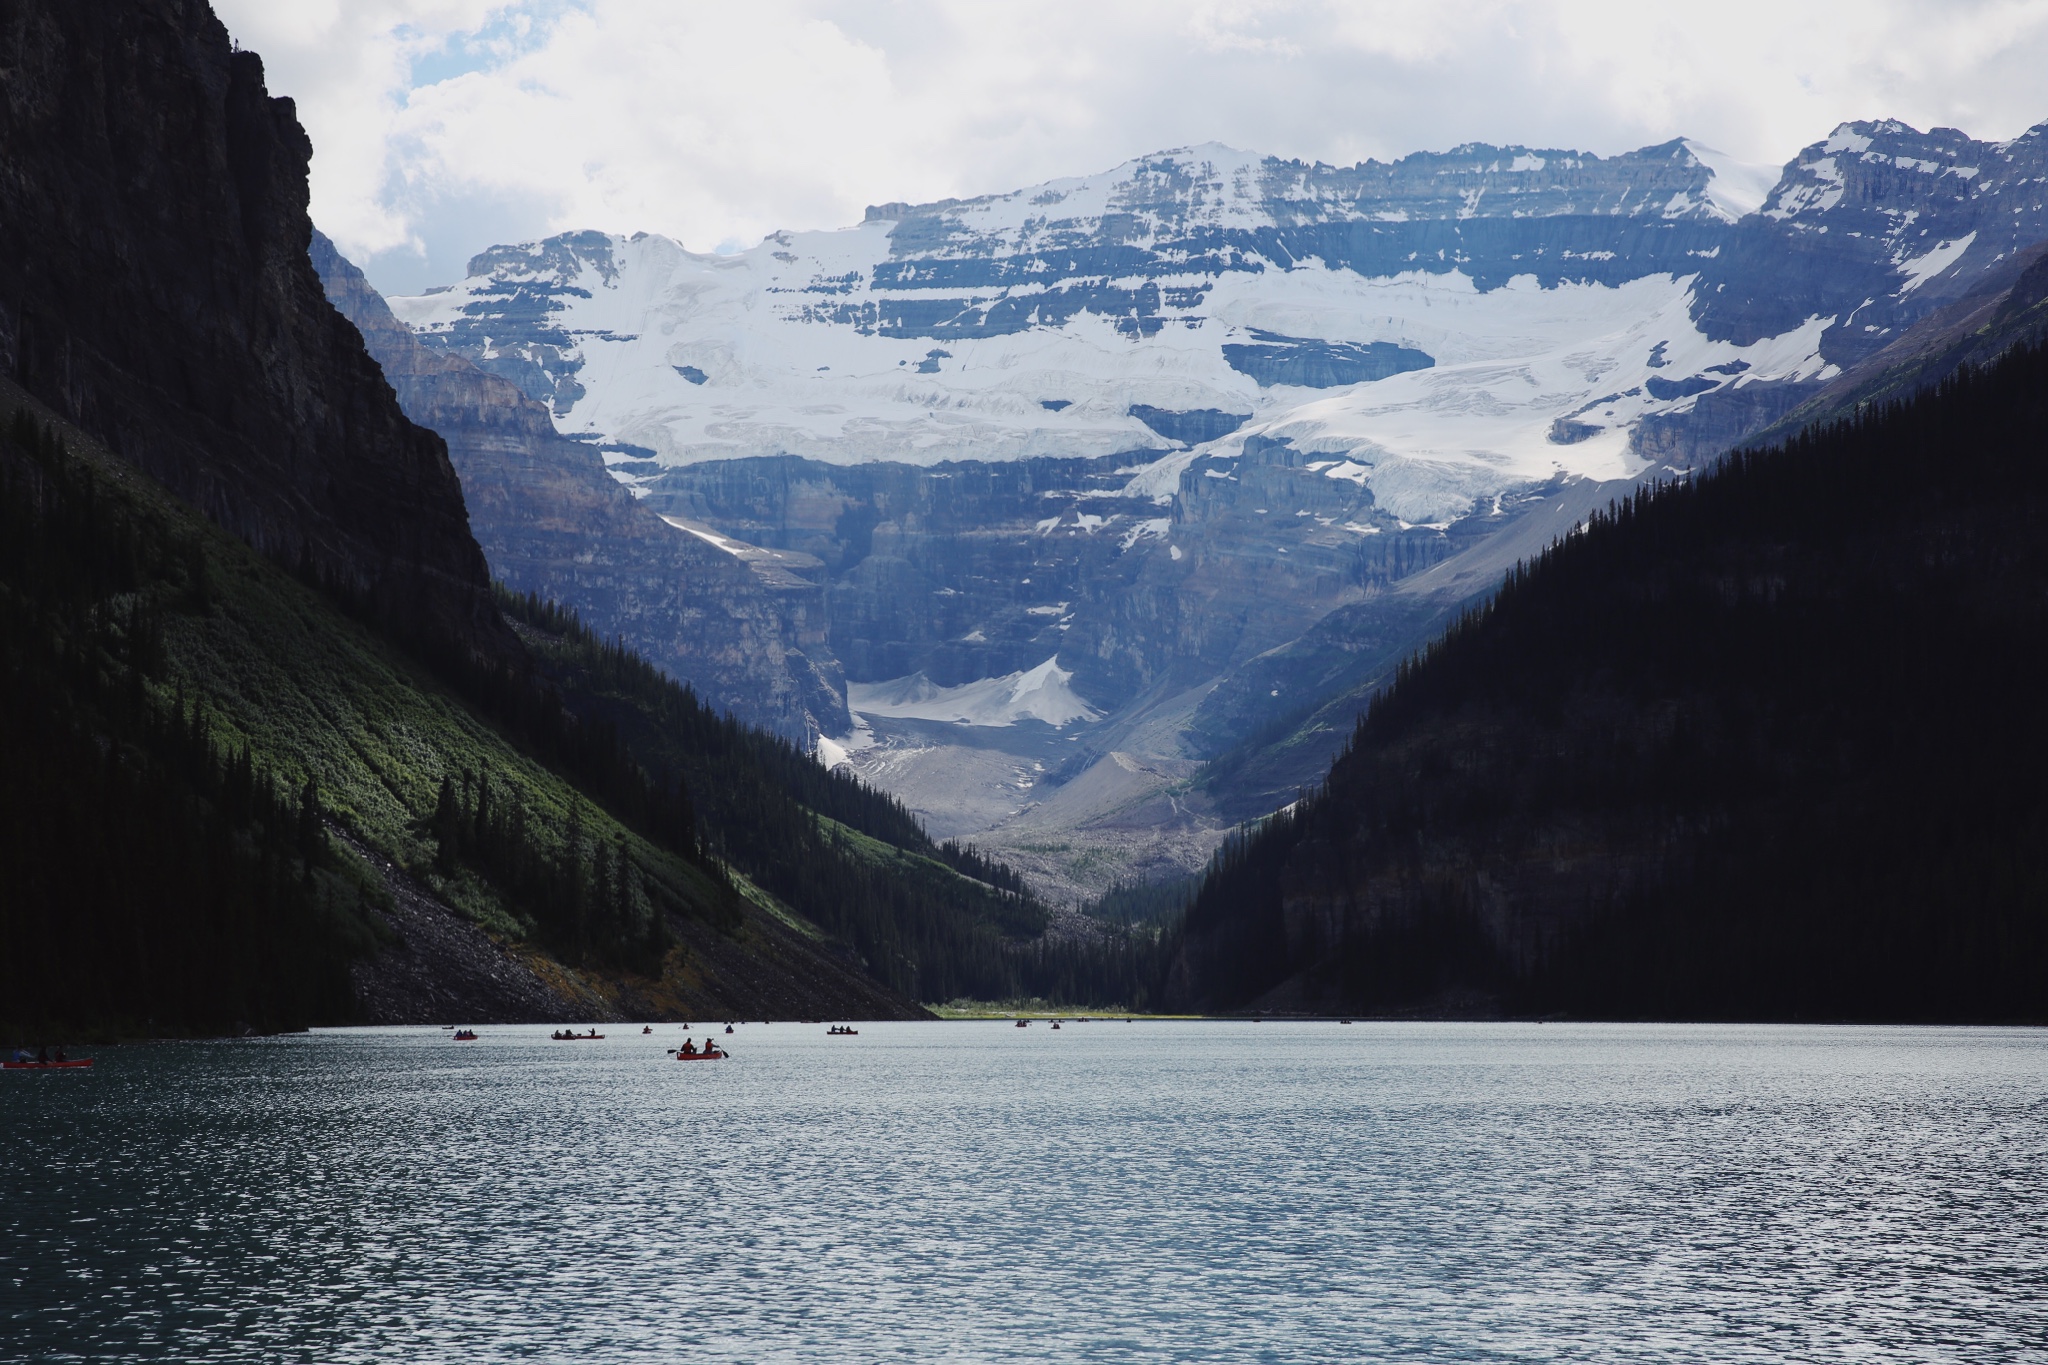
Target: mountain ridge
{"points": [[1754, 745], [1324, 393]]}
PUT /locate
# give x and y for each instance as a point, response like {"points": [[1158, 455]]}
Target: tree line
{"points": [[1761, 744], [934, 920], [155, 877]]}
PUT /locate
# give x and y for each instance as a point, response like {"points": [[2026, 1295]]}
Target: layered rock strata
{"points": [[744, 626]]}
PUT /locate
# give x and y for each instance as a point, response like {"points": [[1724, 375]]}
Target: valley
{"points": [[1217, 438], [923, 583]]}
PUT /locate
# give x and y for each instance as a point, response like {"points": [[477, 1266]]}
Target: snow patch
{"points": [[1042, 694], [1155, 526], [833, 752], [1920, 269], [1160, 480], [1845, 138], [731, 547], [1738, 188]]}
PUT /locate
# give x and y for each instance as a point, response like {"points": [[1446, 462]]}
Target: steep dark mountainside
{"points": [[226, 801], [935, 921], [154, 288], [278, 752], [746, 628], [1349, 656], [1764, 744]]}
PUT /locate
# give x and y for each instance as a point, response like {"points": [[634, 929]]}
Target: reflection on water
{"points": [[974, 1192]]}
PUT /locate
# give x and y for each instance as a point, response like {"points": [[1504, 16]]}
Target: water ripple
{"points": [[969, 1192]]}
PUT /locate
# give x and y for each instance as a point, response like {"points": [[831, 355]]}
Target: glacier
{"points": [[1094, 479]]}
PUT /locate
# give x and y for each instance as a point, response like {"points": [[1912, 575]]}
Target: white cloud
{"points": [[445, 125]]}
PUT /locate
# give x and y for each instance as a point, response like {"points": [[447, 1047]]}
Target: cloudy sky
{"points": [[443, 126]]}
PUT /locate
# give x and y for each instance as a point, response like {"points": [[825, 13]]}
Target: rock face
{"points": [[1876, 227], [745, 626], [155, 288], [1218, 436], [958, 572]]}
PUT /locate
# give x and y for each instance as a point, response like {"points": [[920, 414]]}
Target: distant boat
{"points": [[842, 1031], [78, 1065], [571, 1036], [1055, 1023], [711, 1053], [1023, 1023], [465, 1035]]}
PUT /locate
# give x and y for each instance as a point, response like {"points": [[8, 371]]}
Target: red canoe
{"points": [[47, 1066], [709, 1054]]}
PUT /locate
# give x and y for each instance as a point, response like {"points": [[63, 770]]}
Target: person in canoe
{"points": [[688, 1049]]}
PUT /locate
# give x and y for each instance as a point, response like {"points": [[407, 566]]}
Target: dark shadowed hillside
{"points": [[1767, 744], [275, 753], [743, 626], [155, 288]]}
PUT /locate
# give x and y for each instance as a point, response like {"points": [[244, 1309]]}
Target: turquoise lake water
{"points": [[1109, 1191]]}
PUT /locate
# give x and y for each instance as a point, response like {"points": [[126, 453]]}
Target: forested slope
{"points": [[191, 725], [1766, 744], [274, 752], [934, 921]]}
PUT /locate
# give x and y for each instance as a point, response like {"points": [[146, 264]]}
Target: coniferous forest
{"points": [[849, 858], [1764, 744], [155, 876], [164, 876]]}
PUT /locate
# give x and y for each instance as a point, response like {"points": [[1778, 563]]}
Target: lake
{"points": [[969, 1191]]}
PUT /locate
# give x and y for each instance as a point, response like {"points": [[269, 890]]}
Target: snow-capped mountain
{"points": [[1442, 327], [1102, 476]]}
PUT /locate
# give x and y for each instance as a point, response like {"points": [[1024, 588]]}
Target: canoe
{"points": [[709, 1055], [580, 1038], [48, 1066]]}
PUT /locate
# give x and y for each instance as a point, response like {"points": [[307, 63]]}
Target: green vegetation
{"points": [[932, 920], [1765, 744], [189, 721], [1137, 904], [185, 720]]}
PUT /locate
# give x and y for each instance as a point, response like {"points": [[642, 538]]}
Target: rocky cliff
{"points": [[1875, 227], [745, 626], [1214, 437], [155, 289]]}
